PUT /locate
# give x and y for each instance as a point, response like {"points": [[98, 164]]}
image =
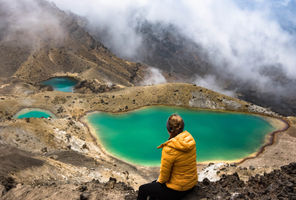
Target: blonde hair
{"points": [[175, 125]]}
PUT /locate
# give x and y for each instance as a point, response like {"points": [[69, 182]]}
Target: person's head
{"points": [[175, 125]]}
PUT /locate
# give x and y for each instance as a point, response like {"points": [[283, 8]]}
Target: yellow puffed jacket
{"points": [[178, 162]]}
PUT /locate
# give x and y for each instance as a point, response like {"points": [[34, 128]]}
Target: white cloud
{"points": [[154, 76], [211, 83], [240, 36], [29, 22]]}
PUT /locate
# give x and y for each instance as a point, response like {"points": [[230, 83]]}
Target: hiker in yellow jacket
{"points": [[178, 173]]}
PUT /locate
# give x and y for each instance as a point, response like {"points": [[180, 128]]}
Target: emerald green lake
{"points": [[33, 113], [63, 84], [134, 136]]}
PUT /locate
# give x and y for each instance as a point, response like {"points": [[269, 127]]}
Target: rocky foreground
{"points": [[279, 184]]}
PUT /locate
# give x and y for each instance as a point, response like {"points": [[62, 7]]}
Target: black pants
{"points": [[156, 190]]}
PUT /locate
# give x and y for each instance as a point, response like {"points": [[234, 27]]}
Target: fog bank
{"points": [[241, 38], [29, 23]]}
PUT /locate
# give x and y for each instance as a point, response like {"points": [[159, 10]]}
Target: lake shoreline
{"points": [[62, 83], [97, 140], [26, 110], [279, 124]]}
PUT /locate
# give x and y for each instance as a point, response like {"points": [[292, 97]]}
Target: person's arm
{"points": [[167, 161]]}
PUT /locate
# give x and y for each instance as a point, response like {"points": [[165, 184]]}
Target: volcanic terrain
{"points": [[61, 158]]}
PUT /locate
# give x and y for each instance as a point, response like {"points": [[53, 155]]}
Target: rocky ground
{"points": [[279, 184], [58, 158]]}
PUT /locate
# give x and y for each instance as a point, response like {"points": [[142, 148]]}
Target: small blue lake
{"points": [[33, 113], [63, 84], [134, 136]]}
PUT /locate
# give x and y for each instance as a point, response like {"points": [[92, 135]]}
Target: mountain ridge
{"points": [[75, 52]]}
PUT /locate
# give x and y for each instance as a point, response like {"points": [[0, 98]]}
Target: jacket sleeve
{"points": [[167, 161]]}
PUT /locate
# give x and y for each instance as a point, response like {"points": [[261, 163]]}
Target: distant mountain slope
{"points": [[165, 48], [57, 46]]}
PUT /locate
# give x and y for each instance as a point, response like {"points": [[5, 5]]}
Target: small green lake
{"points": [[33, 113], [134, 136], [63, 84]]}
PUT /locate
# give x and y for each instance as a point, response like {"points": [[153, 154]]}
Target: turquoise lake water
{"points": [[33, 113], [134, 136], [63, 84]]}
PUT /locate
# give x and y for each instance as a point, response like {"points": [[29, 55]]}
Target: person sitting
{"points": [[178, 171]]}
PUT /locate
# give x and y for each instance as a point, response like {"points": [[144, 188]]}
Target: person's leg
{"points": [[153, 190], [156, 190], [173, 194]]}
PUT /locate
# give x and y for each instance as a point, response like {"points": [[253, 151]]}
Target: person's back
{"points": [[178, 173], [178, 166]]}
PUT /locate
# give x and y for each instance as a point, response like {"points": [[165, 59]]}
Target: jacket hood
{"points": [[182, 142]]}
